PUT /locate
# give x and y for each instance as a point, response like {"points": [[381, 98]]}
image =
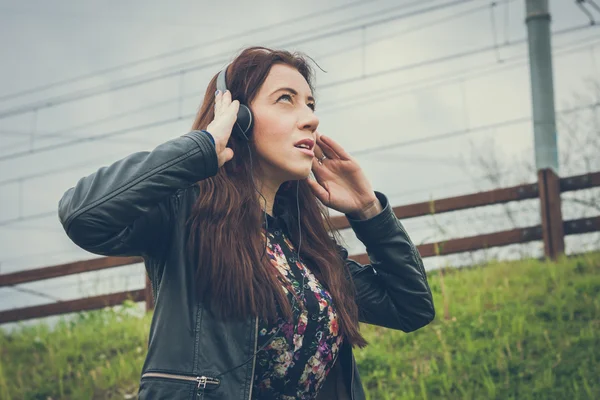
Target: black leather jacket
{"points": [[139, 206]]}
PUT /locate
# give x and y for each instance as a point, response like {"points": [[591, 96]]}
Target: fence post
{"points": [[544, 124], [550, 205], [149, 297]]}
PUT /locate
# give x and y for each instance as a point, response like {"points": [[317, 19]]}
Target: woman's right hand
{"points": [[220, 128]]}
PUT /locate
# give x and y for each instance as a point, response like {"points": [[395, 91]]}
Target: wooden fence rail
{"points": [[451, 246]]}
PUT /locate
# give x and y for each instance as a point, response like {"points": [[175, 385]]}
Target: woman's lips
{"points": [[307, 151]]}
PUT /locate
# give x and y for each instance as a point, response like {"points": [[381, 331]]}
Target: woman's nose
{"points": [[309, 120]]}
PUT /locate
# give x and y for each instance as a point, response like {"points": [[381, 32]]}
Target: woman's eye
{"points": [[289, 98], [286, 96]]}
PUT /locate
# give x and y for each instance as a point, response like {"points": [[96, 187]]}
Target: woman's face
{"points": [[283, 112]]}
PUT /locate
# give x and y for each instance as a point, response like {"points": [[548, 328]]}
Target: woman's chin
{"points": [[293, 171], [298, 175], [305, 173]]}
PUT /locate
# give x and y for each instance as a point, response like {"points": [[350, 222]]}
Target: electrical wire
{"points": [[182, 50], [100, 136], [28, 218], [585, 11], [593, 4], [337, 83], [462, 132], [388, 146], [32, 292], [62, 132], [385, 94], [457, 77], [68, 168], [70, 97], [438, 60]]}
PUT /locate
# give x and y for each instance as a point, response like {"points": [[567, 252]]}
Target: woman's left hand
{"points": [[340, 182]]}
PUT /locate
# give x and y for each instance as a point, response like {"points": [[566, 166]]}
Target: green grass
{"points": [[519, 330], [522, 330], [98, 355]]}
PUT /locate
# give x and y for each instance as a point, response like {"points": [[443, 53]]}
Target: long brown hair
{"points": [[225, 228]]}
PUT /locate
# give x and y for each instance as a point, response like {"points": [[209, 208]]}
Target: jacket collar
{"points": [[282, 218]]}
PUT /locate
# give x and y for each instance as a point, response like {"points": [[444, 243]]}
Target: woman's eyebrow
{"points": [[294, 92]]}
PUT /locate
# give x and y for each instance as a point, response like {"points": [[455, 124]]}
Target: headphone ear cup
{"points": [[244, 123]]}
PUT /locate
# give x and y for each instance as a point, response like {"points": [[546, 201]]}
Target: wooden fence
{"points": [[551, 231]]}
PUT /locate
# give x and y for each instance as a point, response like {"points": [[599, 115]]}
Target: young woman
{"points": [[254, 297]]}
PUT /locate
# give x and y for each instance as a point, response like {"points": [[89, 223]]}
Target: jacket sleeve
{"points": [[124, 209], [392, 291]]}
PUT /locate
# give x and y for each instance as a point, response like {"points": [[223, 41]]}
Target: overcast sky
{"points": [[398, 71]]}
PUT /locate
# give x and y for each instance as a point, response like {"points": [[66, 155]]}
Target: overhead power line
{"points": [[462, 132], [448, 78], [178, 118], [63, 133], [33, 292], [50, 172], [28, 218], [446, 58], [186, 49], [457, 77], [388, 146], [96, 137], [177, 70]]}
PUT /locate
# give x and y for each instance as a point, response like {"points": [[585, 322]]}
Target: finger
{"points": [[228, 154], [318, 151], [335, 147], [226, 98], [218, 98], [326, 149], [318, 170], [234, 106], [232, 110], [224, 102]]}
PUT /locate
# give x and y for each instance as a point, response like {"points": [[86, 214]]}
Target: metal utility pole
{"points": [[544, 125]]}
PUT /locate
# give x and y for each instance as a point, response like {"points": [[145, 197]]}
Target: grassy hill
{"points": [[519, 330]]}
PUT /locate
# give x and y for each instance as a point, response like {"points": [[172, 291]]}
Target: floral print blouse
{"points": [[296, 362]]}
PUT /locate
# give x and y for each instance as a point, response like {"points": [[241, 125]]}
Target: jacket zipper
{"points": [[254, 358], [202, 381]]}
